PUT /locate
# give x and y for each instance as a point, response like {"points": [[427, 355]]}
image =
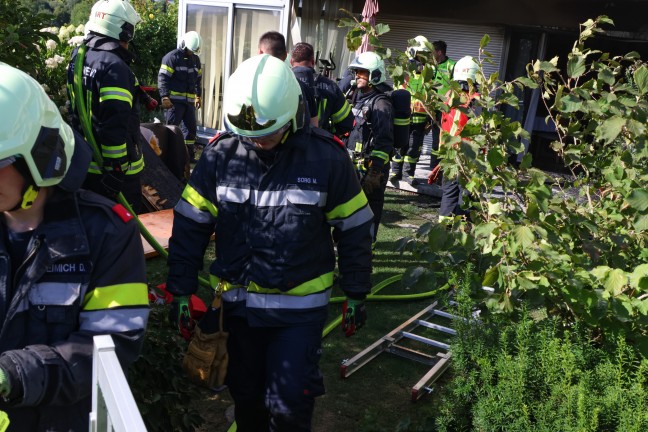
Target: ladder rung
{"points": [[412, 354], [445, 314], [441, 328], [426, 340]]}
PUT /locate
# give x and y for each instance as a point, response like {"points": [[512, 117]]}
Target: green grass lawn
{"points": [[376, 397]]}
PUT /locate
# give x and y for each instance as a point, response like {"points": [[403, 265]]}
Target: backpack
{"points": [[360, 139]]}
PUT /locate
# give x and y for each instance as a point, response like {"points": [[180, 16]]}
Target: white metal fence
{"points": [[113, 406]]}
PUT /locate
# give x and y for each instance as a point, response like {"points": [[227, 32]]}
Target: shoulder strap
{"points": [[328, 136]]}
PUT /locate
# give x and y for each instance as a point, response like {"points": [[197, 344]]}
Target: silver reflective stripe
{"points": [[271, 198], [356, 219], [191, 212], [235, 195], [113, 320], [55, 293], [181, 68], [283, 301], [308, 197], [165, 72], [235, 295]]}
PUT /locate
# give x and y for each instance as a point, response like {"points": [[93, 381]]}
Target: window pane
{"points": [[211, 23], [249, 25]]}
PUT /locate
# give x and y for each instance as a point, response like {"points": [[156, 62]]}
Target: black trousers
{"points": [[273, 375]]}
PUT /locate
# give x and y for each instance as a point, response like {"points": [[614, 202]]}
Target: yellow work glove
{"points": [[371, 181], [198, 102], [166, 103]]}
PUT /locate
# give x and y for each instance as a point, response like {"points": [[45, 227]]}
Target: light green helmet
{"points": [[113, 18], [371, 62], [31, 128], [466, 68], [261, 97], [191, 41], [420, 44]]}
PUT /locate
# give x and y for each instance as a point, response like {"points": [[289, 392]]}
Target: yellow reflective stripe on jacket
{"points": [[319, 284], [342, 113], [115, 93], [114, 152], [166, 69], [192, 196], [215, 281], [114, 296], [135, 167], [129, 168], [181, 94], [348, 208]]}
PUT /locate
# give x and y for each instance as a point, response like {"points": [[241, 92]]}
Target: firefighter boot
{"points": [[396, 167], [409, 171]]}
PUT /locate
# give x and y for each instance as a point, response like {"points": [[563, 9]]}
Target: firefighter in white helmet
{"points": [[371, 142], [112, 112], [452, 123], [272, 189], [71, 266], [405, 158], [180, 87]]}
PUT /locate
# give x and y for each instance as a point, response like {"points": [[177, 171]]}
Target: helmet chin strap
{"points": [[29, 196]]}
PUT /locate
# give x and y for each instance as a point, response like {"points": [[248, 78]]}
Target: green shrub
{"points": [[541, 376], [163, 392]]}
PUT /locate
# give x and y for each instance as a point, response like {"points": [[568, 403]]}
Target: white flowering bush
{"points": [[56, 58]]}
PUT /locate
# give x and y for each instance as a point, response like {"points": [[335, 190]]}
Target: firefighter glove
{"points": [[434, 174], [180, 317], [198, 102], [371, 182], [151, 104], [112, 181], [354, 316], [5, 386], [166, 103]]}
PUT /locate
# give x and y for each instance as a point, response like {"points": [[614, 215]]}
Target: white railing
{"points": [[113, 406]]}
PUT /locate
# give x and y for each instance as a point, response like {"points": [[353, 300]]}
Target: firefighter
{"points": [[371, 142], [71, 266], [333, 111], [442, 78], [112, 110], [452, 123], [405, 159], [180, 87], [272, 189]]}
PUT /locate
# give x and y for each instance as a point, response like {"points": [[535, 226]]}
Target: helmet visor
{"points": [[247, 120], [7, 161]]}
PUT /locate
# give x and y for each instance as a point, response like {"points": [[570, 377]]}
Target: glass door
{"points": [[230, 33], [211, 22], [249, 24]]}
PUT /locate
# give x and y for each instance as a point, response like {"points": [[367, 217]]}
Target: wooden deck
{"points": [[159, 224]]}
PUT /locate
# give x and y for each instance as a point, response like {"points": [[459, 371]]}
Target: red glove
{"points": [[434, 174], [354, 316], [151, 104]]}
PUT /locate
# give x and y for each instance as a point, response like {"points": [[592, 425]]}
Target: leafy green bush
{"points": [[154, 37], [163, 392], [29, 43], [577, 250], [541, 376], [21, 41]]}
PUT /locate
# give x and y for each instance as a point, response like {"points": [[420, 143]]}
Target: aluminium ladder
{"points": [[439, 359]]}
